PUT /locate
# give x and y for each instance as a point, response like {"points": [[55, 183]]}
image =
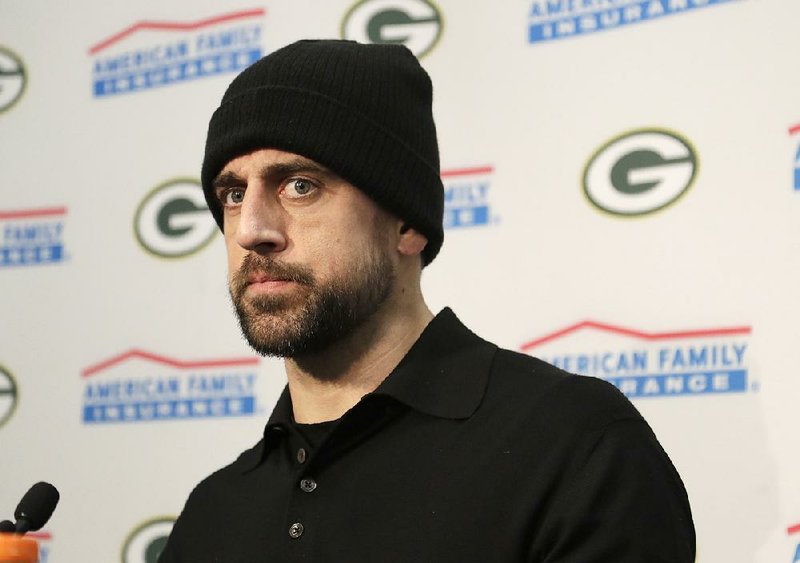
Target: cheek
{"points": [[332, 250], [235, 256]]}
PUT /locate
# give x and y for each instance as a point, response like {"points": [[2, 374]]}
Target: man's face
{"points": [[310, 257]]}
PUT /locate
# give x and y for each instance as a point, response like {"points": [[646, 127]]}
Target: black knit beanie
{"points": [[363, 111]]}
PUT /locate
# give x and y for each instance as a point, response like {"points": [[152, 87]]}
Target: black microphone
{"points": [[36, 507], [7, 526]]}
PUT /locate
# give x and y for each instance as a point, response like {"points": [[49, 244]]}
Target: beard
{"points": [[316, 315]]}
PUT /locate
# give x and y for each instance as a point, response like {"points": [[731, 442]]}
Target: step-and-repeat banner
{"points": [[622, 199]]}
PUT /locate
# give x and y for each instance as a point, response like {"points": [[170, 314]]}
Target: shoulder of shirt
{"points": [[218, 481], [525, 382]]}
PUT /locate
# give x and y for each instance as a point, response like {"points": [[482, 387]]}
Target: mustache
{"points": [[255, 264]]}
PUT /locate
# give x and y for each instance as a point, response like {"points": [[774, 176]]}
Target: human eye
{"points": [[298, 187], [231, 197]]}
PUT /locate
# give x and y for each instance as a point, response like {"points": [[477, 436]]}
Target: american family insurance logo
{"points": [[150, 54], [651, 364], [31, 237], [558, 19], [139, 386], [145, 543], [795, 132], [794, 533], [417, 24], [466, 197], [639, 172], [12, 78]]}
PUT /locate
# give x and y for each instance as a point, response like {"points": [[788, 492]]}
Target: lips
{"points": [[264, 274], [264, 278]]}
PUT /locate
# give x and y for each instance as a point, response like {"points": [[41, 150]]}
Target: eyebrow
{"points": [[295, 166]]}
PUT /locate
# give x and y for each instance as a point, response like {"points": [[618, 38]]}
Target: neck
{"points": [[326, 384]]}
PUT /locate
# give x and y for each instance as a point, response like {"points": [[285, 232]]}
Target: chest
{"points": [[414, 492]]}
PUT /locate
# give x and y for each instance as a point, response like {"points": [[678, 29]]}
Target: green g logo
{"points": [[173, 220], [12, 79], [417, 24], [640, 172], [146, 542], [8, 395]]}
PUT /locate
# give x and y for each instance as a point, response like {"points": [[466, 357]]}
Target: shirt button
{"points": [[295, 530], [301, 455], [308, 485]]}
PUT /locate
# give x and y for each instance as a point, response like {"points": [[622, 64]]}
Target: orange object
{"points": [[18, 549]]}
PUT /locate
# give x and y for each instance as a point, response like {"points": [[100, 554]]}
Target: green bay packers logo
{"points": [[173, 220], [12, 79], [417, 24], [640, 172], [8, 395], [146, 542]]}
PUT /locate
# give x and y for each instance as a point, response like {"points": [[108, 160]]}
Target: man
{"points": [[400, 436]]}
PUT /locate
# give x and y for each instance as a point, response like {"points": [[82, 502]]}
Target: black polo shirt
{"points": [[466, 452]]}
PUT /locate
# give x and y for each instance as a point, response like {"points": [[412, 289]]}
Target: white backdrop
{"points": [[623, 201]]}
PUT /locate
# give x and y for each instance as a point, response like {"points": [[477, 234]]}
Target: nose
{"points": [[261, 226]]}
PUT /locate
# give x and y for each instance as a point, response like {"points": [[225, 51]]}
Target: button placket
{"points": [[304, 508], [308, 485], [296, 530]]}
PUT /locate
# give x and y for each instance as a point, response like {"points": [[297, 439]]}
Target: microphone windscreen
{"points": [[37, 505]]}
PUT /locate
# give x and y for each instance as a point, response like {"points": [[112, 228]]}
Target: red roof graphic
{"points": [[182, 364], [793, 529], [173, 26], [467, 171], [33, 213], [635, 333], [794, 129]]}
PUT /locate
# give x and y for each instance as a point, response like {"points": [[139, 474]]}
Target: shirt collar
{"points": [[276, 429], [444, 374]]}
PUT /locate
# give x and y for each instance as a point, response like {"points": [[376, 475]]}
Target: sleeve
{"points": [[625, 503], [168, 554], [182, 544]]}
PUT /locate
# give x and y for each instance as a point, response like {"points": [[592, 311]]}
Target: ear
{"points": [[411, 241]]}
